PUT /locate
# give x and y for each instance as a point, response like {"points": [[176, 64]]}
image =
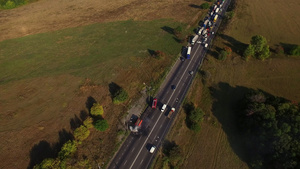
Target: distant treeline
{"points": [[9, 4], [272, 127]]}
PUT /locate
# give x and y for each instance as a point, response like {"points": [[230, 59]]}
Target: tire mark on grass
{"points": [[217, 148]]}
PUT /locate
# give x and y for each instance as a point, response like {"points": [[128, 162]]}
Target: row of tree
{"points": [[80, 134], [272, 125]]}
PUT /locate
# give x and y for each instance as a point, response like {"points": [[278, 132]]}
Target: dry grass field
{"points": [[45, 15], [219, 144], [276, 20]]}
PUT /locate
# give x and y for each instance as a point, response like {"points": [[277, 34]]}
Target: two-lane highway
{"points": [[134, 153]]}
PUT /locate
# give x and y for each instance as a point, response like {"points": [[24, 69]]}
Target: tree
{"points": [[81, 133], [258, 42], [175, 156], [67, 149], [101, 125], [260, 47], [97, 110], [249, 51], [120, 96], [265, 53], [88, 123]]}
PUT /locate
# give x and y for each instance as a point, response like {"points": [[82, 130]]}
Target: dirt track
{"points": [[46, 15]]}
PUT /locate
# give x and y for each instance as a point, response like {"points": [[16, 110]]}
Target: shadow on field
{"points": [[225, 106], [195, 6], [168, 29], [90, 102], [114, 89], [237, 46], [44, 149]]}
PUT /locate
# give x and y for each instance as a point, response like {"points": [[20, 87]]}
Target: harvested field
{"points": [[47, 15]]}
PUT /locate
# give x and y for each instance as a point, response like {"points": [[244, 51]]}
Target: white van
{"points": [[152, 149]]}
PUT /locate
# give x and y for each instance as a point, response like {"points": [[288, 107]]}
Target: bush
{"points": [[81, 133], [48, 163], [101, 125], [229, 15], [120, 96], [222, 55], [97, 110], [178, 30], [279, 50], [295, 51], [205, 5], [9, 5], [67, 149]]}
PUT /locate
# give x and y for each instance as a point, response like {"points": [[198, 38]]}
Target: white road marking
{"points": [[145, 141], [125, 162], [162, 113], [132, 149], [183, 74], [141, 161], [160, 126]]}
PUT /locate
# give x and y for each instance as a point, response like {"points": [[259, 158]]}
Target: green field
{"points": [[91, 51]]}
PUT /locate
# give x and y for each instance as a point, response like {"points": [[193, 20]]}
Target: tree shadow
{"points": [[237, 46], [44, 149], [195, 6], [167, 146], [39, 152], [225, 108], [75, 122], [114, 89], [287, 47], [178, 40], [83, 115], [168, 29], [151, 52], [90, 102]]}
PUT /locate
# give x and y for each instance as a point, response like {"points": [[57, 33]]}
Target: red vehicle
{"points": [[154, 103]]}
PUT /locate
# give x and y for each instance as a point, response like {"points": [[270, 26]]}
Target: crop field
{"points": [[219, 144]]}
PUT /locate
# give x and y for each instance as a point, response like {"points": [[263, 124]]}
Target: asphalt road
{"points": [[134, 153]]}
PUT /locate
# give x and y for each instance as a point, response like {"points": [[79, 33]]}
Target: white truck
{"points": [[188, 54], [204, 32], [199, 32], [194, 39], [217, 10], [205, 23]]}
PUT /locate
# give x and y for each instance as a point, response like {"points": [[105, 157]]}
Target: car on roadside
{"points": [[191, 72]]}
